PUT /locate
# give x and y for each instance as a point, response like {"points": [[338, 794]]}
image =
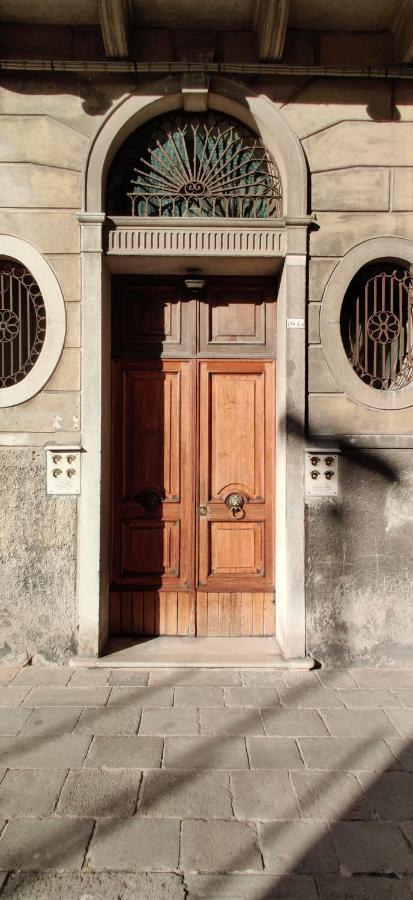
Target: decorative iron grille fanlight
{"points": [[377, 327], [22, 322], [194, 165]]}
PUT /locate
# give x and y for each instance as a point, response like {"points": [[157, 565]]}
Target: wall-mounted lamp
{"points": [[194, 284]]}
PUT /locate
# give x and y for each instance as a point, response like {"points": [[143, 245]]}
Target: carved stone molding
{"points": [[126, 238]]}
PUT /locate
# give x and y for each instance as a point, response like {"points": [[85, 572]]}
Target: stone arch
{"points": [[255, 111], [369, 251]]}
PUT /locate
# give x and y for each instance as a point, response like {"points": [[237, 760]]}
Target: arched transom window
{"points": [[204, 165]]}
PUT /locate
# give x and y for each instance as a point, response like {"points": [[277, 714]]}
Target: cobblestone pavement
{"points": [[172, 784]]}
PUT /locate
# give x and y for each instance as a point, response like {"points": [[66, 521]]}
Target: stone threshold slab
{"points": [[183, 652]]}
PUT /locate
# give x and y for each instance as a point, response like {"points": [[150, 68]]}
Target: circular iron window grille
{"points": [[22, 323], [194, 165], [377, 326]]}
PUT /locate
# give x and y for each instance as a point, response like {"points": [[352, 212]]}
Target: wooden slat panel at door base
{"points": [[152, 612], [235, 614]]}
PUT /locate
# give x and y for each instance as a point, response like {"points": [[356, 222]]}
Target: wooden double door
{"points": [[193, 460]]}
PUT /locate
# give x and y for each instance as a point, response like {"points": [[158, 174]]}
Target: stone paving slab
{"points": [[250, 887], [273, 753], [49, 675], [44, 843], [295, 847], [390, 796], [364, 887], [205, 752], [125, 752], [293, 722], [94, 886], [66, 696], [402, 748], [206, 783], [128, 677], [220, 847], [101, 720], [337, 796], [231, 721], [97, 793], [13, 695], [346, 754], [169, 721], [358, 698], [199, 696], [373, 847], [132, 844], [13, 720], [360, 723], [194, 677], [141, 696], [403, 720], [262, 795], [59, 752], [30, 792], [50, 720], [186, 794], [254, 696]]}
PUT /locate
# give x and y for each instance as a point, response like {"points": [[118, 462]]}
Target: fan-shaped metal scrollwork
{"points": [[194, 165], [377, 327], [22, 323]]}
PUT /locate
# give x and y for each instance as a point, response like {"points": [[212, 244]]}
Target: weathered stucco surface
{"points": [[37, 561], [359, 563]]}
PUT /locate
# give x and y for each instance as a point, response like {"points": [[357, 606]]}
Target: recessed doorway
{"points": [[193, 456]]}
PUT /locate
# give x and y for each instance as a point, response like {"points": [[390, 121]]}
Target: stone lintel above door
{"points": [[200, 237]]}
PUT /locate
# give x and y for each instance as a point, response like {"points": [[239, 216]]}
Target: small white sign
{"points": [[295, 323], [62, 471]]}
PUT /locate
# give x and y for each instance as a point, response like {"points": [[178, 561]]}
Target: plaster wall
{"points": [[37, 562], [359, 563], [355, 135]]}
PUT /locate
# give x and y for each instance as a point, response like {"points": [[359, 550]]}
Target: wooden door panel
{"points": [[153, 475], [152, 318], [149, 549], [236, 548], [151, 433], [237, 318], [236, 401], [152, 612], [235, 614], [236, 552]]}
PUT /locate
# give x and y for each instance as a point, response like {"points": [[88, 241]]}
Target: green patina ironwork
{"points": [[194, 165]]}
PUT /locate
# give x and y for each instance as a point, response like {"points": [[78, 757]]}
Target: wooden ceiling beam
{"points": [[115, 17], [402, 28], [271, 19]]}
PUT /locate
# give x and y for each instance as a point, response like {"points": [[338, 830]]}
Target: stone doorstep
{"points": [[181, 653]]}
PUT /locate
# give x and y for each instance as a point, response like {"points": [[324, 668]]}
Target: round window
{"points": [[22, 323], [376, 324]]}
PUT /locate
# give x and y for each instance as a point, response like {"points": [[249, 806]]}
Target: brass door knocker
{"points": [[235, 504]]}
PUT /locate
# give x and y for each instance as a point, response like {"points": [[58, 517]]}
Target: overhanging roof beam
{"points": [[402, 28], [114, 24], [271, 19]]}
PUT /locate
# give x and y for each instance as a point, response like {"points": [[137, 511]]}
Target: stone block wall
{"points": [[357, 138]]}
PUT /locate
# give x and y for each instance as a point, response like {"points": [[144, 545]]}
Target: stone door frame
{"points": [[261, 115]]}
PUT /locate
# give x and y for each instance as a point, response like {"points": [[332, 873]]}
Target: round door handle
{"points": [[203, 511]]}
